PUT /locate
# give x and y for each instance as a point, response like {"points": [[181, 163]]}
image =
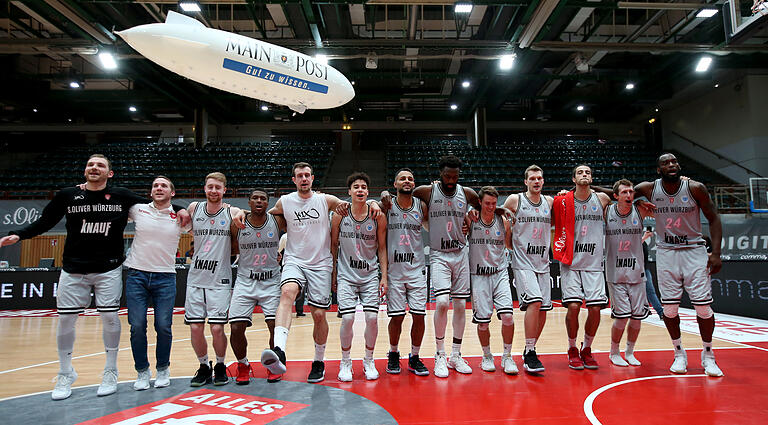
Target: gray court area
{"points": [[327, 405]]}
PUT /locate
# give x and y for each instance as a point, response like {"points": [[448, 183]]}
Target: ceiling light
{"points": [[321, 58], [360, 109], [69, 119], [454, 106], [294, 114], [132, 108], [630, 86], [706, 13], [652, 120], [580, 108], [657, 109], [704, 64], [74, 84], [353, 82], [465, 84], [506, 61], [351, 118], [523, 118], [107, 60], [462, 8], [34, 109], [189, 6], [264, 108]]}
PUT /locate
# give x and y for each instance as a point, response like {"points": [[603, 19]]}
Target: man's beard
{"points": [[671, 179], [405, 191]]}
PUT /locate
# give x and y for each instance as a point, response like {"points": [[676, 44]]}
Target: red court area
{"points": [[648, 394]]}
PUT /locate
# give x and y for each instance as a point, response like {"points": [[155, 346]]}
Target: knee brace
{"points": [[507, 320], [482, 326], [704, 311], [110, 321], [670, 310]]}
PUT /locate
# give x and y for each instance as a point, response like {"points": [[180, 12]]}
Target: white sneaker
{"points": [[345, 370], [487, 363], [631, 359], [63, 387], [142, 380], [441, 365], [509, 366], [108, 383], [709, 364], [680, 365], [369, 367], [163, 378], [617, 360], [459, 364]]}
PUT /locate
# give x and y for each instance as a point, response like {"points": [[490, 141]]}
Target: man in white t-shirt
{"points": [[152, 279]]}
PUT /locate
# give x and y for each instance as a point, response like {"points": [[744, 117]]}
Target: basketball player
{"points": [[258, 278], [96, 215], [359, 248], [209, 283], [447, 203], [151, 276], [625, 271], [530, 259], [307, 266], [681, 256], [583, 279], [488, 239], [406, 272]]}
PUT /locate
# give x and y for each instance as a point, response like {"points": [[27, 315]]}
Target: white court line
{"points": [[591, 398]]}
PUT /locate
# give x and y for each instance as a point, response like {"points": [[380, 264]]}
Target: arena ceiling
{"points": [[568, 53]]}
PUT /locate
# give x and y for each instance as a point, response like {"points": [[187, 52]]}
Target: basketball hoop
{"points": [[760, 7], [758, 194]]}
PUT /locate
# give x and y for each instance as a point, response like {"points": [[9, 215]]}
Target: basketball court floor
{"points": [[647, 394]]}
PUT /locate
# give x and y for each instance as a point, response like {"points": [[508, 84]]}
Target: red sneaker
{"points": [[574, 361], [272, 378], [586, 357], [243, 374]]}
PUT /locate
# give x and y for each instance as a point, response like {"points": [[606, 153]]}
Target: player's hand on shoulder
{"points": [[375, 210], [473, 215], [342, 208], [386, 200], [183, 218], [238, 218]]}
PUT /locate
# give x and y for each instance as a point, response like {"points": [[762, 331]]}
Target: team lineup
{"points": [[365, 251]]}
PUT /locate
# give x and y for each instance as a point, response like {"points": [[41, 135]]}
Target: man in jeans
{"points": [[152, 278]]}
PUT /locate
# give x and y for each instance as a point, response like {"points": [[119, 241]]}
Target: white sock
{"points": [[203, 360], [440, 342], [677, 344], [368, 353], [507, 348], [244, 361], [486, 350], [346, 355], [571, 342], [220, 359], [708, 348], [530, 344], [319, 352], [455, 349], [111, 357], [281, 337], [415, 349], [110, 333], [65, 340], [588, 341]]}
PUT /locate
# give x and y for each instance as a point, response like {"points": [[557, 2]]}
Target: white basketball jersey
{"points": [[309, 231]]}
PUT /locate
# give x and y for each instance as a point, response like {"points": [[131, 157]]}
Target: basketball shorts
{"points": [[249, 293], [628, 300], [583, 285], [683, 269], [316, 283], [414, 293], [490, 291], [73, 293], [349, 293], [449, 272], [202, 303], [533, 287]]}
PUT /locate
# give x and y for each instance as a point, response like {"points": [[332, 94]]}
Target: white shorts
{"points": [[583, 285], [685, 268], [533, 287], [449, 273], [414, 293], [489, 291], [628, 300], [316, 284], [73, 293], [202, 303], [249, 293], [348, 293]]}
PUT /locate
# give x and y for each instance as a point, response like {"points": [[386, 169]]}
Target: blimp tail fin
{"points": [[298, 108], [176, 18]]}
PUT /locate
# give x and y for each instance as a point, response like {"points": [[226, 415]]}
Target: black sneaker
{"points": [[416, 366], [220, 375], [317, 374], [202, 376], [531, 362], [393, 362], [274, 360]]}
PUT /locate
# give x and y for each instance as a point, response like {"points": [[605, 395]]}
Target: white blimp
{"points": [[240, 65]]}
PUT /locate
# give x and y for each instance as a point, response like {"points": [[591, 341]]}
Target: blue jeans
{"points": [[650, 291], [160, 288]]}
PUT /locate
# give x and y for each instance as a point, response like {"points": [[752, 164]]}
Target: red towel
{"points": [[563, 210]]}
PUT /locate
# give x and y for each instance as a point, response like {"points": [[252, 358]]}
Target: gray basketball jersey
{"points": [[210, 266], [678, 223], [446, 216], [405, 248], [624, 259], [487, 253], [531, 235], [358, 259], [258, 250], [589, 243]]}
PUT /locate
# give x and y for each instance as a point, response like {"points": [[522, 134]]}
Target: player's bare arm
{"points": [[233, 230], [281, 224], [512, 202], [423, 192], [277, 210], [507, 233], [335, 227], [424, 215], [381, 239], [701, 195]]}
